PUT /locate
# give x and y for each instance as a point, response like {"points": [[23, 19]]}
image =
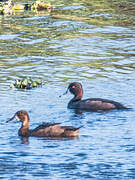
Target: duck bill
{"points": [[14, 118], [64, 93]]}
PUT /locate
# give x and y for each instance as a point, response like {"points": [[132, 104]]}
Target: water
{"points": [[90, 42]]}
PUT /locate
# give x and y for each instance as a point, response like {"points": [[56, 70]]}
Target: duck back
{"points": [[95, 104]]}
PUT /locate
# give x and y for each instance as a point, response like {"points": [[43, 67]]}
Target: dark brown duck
{"points": [[91, 104], [43, 130]]}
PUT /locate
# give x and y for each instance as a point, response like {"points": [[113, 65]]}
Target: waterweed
{"points": [[26, 83]]}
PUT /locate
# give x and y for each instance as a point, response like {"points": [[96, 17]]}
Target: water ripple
{"points": [[88, 42]]}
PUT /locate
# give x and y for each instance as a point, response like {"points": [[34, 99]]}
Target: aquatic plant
{"points": [[41, 5], [11, 7], [26, 83]]}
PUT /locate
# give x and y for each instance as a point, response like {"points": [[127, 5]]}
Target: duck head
{"points": [[21, 116], [76, 89]]}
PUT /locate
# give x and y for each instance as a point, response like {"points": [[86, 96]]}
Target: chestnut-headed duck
{"points": [[43, 130], [91, 104]]}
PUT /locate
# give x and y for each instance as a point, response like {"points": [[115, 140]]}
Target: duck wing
{"points": [[45, 125], [47, 130], [105, 104], [95, 104]]}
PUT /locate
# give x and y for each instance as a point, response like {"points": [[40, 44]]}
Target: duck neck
{"points": [[24, 130], [78, 96]]}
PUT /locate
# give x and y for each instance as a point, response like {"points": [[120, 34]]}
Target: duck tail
{"points": [[74, 132], [123, 107]]}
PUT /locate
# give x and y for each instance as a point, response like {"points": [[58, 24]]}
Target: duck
{"points": [[90, 104], [43, 130]]}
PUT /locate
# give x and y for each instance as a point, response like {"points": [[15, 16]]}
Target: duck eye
{"points": [[20, 113], [73, 87]]}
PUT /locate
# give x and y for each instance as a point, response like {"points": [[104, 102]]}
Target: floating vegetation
{"points": [[41, 5], [26, 83], [11, 7]]}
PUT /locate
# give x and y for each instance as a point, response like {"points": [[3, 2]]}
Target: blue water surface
{"points": [[61, 47]]}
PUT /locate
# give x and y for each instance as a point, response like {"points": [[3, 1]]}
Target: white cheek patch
{"points": [[17, 118]]}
